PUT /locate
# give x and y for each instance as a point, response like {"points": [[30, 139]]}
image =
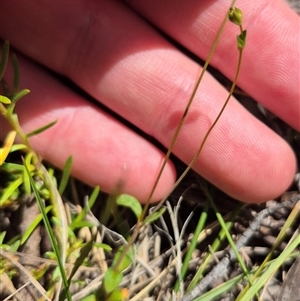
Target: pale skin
{"points": [[113, 54]]}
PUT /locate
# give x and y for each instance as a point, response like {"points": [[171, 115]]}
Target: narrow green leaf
{"points": [[93, 197], [2, 236], [41, 129], [19, 95], [274, 266], [4, 58], [5, 100], [33, 226], [154, 216], [84, 252], [55, 220], [50, 235], [187, 259], [111, 280], [216, 292], [105, 247], [91, 202], [12, 167], [10, 190], [229, 238], [126, 261], [30, 167], [130, 202], [15, 246], [80, 224], [66, 175], [116, 295]]}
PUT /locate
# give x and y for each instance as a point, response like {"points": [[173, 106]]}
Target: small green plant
{"points": [[30, 177]]}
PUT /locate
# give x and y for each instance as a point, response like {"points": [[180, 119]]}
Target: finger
{"points": [[105, 152], [143, 78], [271, 65]]}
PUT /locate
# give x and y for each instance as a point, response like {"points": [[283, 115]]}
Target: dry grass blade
{"points": [[32, 280], [8, 286], [153, 283]]}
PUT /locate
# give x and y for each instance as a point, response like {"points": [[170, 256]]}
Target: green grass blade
{"points": [[19, 95], [50, 235], [33, 226], [215, 247], [275, 265], [200, 226], [93, 197], [154, 216], [220, 289], [9, 191], [41, 129], [290, 220], [2, 236], [80, 224], [26, 181], [66, 175], [85, 209], [12, 167], [83, 255], [228, 236]]}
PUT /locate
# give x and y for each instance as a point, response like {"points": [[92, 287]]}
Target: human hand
{"points": [[113, 54]]}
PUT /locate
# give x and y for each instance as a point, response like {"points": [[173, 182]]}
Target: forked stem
{"points": [[140, 221], [241, 39]]}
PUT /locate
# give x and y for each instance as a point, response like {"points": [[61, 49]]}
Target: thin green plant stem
{"points": [[191, 99], [50, 235], [170, 149], [15, 124], [226, 286]]}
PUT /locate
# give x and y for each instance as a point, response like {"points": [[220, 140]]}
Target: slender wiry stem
{"points": [[140, 221]]}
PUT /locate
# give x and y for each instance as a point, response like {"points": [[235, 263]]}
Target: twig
{"points": [[14, 294]]}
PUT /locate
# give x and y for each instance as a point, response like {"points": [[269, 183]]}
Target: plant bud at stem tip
{"points": [[235, 15]]}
